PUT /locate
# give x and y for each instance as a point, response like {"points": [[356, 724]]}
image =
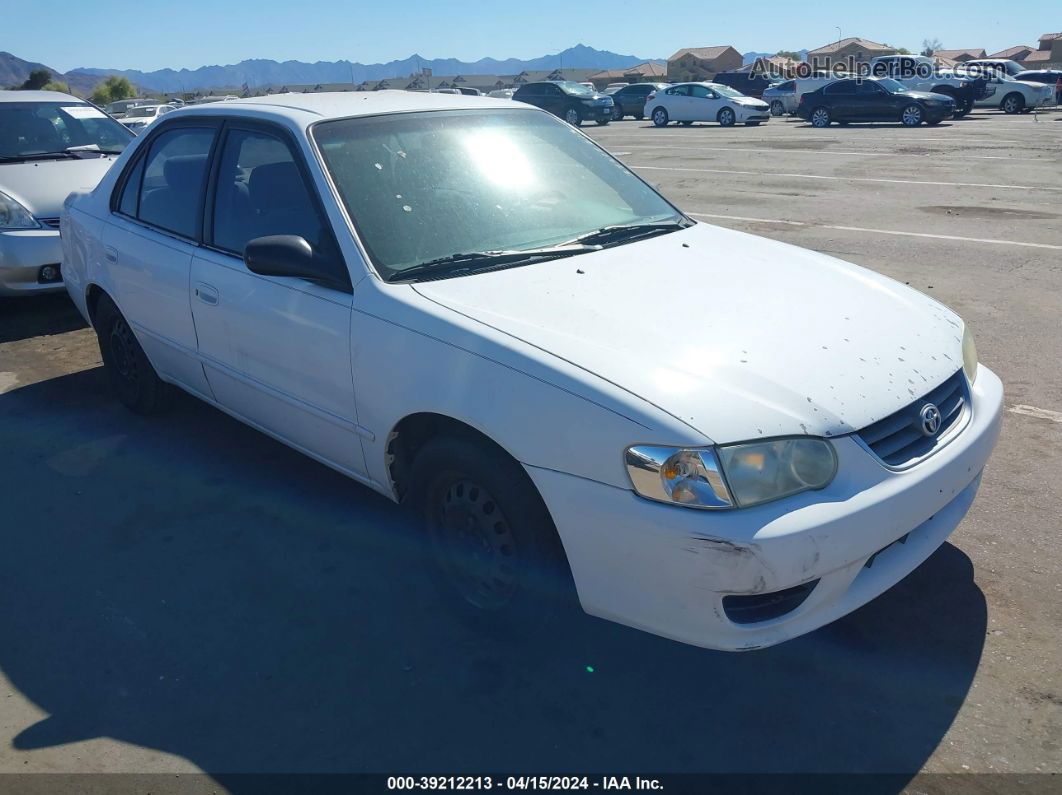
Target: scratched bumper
{"points": [[666, 569]]}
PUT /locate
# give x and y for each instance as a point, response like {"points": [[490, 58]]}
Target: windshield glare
{"points": [[726, 91], [29, 128], [577, 88], [423, 186]]}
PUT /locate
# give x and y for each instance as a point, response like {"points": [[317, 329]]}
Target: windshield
{"points": [[726, 91], [891, 85], [424, 186], [577, 88], [33, 128]]}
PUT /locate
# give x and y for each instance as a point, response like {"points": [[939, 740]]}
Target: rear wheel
{"points": [[1012, 103], [660, 118], [603, 122], [962, 107], [617, 113], [777, 108], [726, 117], [498, 559], [132, 377], [911, 116], [572, 117], [820, 117]]}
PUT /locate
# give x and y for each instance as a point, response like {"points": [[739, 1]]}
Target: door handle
{"points": [[206, 294], [110, 254]]}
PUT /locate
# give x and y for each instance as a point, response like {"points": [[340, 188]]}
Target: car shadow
{"points": [[186, 584], [34, 316]]}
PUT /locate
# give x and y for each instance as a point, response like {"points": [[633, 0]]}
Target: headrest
{"points": [[185, 172]]}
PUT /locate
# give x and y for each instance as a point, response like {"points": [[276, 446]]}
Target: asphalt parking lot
{"points": [[182, 594]]}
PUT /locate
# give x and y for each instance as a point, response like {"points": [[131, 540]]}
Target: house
{"points": [[702, 63], [849, 52], [1018, 53], [647, 72], [1048, 55], [960, 56]]}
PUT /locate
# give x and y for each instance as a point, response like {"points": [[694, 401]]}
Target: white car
{"points": [[1016, 96], [50, 144], [690, 102], [136, 119], [502, 93], [469, 306]]}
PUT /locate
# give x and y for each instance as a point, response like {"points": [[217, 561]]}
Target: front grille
{"points": [[898, 439], [51, 223]]}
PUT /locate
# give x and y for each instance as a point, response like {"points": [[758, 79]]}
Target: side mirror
{"points": [[287, 255]]}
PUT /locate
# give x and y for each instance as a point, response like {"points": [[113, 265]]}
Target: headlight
{"points": [[14, 216], [739, 475], [969, 355]]}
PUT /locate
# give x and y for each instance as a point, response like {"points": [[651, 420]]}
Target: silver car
{"points": [[782, 98], [50, 144]]}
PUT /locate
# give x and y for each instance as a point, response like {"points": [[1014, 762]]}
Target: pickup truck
{"points": [[921, 73]]}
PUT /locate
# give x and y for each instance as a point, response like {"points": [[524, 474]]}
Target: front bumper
{"points": [[22, 254], [744, 114], [667, 569]]}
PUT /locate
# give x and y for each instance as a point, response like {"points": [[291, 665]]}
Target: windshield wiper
{"points": [[485, 260], [618, 232], [71, 151]]}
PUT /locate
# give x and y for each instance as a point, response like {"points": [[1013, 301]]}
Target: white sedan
{"points": [[470, 307], [136, 119], [690, 102]]}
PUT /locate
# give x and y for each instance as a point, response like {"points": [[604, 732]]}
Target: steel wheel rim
{"points": [[912, 116], [572, 116], [123, 351], [477, 545]]}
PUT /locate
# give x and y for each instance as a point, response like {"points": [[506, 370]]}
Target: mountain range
{"points": [[259, 73]]}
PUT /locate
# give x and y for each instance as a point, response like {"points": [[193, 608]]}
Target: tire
{"points": [[132, 377], [603, 122], [726, 117], [912, 116], [752, 124], [617, 113], [820, 117], [934, 123], [571, 115], [639, 116], [777, 108], [497, 558], [1012, 103], [660, 117], [962, 108], [685, 123]]}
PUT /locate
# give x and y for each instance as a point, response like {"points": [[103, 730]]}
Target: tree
{"points": [[56, 85], [930, 46], [37, 80], [899, 50], [112, 89], [788, 54]]}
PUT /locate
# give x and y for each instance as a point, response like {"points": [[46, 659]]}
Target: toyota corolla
{"points": [[470, 307]]}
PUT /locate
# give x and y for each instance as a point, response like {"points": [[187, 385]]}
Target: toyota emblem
{"points": [[929, 419]]}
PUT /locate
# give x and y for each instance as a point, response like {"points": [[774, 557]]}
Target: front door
{"points": [[276, 350]]}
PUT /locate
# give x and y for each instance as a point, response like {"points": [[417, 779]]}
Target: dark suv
{"points": [[573, 102], [630, 100], [751, 85]]}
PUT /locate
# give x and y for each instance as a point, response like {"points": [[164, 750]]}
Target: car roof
{"points": [[305, 109], [37, 96]]}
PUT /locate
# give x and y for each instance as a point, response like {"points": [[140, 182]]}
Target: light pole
{"points": [[838, 33]]}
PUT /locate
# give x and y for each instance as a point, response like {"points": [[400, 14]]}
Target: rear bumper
{"points": [[22, 254], [667, 569]]}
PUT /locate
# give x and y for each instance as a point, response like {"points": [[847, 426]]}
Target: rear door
{"points": [[276, 350], [149, 241], [841, 98]]}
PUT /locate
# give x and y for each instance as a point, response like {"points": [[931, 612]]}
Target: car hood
{"points": [[737, 336], [748, 101], [928, 95], [41, 185]]}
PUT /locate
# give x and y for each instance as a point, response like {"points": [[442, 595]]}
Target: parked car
{"points": [[751, 85], [995, 65], [140, 116], [572, 102], [468, 91], [690, 102], [612, 88], [1017, 96], [502, 93], [50, 144], [481, 300], [120, 107], [873, 99], [630, 100], [921, 73], [1048, 77], [781, 98]]}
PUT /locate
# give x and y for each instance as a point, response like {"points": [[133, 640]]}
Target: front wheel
{"points": [[726, 117], [911, 116], [777, 108], [497, 556], [572, 117], [1012, 103], [603, 122], [660, 118], [132, 377], [820, 117], [617, 113]]}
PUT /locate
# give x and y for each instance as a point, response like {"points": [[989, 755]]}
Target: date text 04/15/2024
{"points": [[523, 783]]}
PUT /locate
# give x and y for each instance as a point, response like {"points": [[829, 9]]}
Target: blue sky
{"points": [[153, 34]]}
